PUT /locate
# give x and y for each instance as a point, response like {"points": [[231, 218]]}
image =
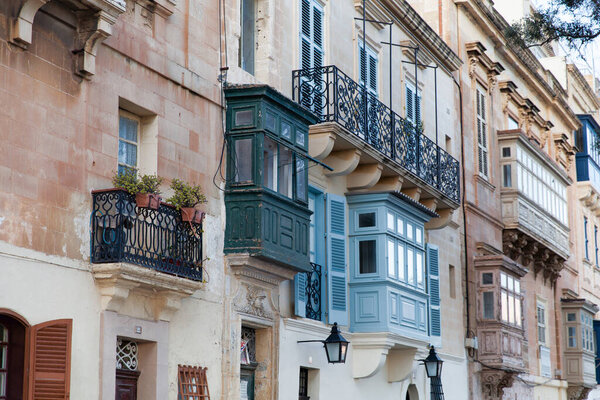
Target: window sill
{"points": [[485, 182]]}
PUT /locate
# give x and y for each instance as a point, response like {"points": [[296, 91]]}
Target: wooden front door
{"points": [[126, 385]]}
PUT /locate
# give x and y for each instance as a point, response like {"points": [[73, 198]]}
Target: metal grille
{"points": [[313, 292], [157, 239], [193, 384], [127, 355], [248, 346], [335, 97]]}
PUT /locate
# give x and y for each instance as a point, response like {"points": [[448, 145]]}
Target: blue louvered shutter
{"points": [[597, 347], [336, 260], [433, 272], [300, 294], [410, 115]]}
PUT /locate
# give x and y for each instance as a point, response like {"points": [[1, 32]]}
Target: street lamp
{"points": [[433, 367], [336, 347]]}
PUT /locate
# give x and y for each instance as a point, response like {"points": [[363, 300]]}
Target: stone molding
{"points": [[578, 392], [255, 270], [477, 57], [118, 281]]}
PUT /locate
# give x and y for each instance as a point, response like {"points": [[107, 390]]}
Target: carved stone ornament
{"points": [[578, 392], [516, 244], [493, 383], [253, 300], [473, 62]]}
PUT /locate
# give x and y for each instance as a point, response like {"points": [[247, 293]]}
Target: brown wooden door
{"points": [[126, 387]]}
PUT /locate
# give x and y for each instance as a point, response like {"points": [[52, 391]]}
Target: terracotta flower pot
{"points": [[190, 214], [148, 200]]}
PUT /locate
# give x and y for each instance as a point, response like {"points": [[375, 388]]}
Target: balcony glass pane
{"points": [[419, 235], [366, 220], [391, 258], [400, 226], [409, 231], [269, 163], [390, 221], [572, 338], [285, 173], [511, 309], [410, 264], [367, 256], [504, 305], [488, 305], [517, 311], [420, 270], [401, 263], [503, 279], [487, 278], [301, 176], [243, 160]]}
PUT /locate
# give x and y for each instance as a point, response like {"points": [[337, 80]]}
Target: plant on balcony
{"points": [[185, 199], [146, 188]]}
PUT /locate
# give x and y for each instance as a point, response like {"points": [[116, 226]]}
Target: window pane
{"points": [[400, 226], [301, 175], [247, 36], [409, 231], [284, 174], [504, 299], [503, 279], [128, 129], [127, 153], [410, 266], [420, 270], [367, 258], [401, 263], [3, 356], [366, 220], [488, 305], [286, 130], [3, 383], [517, 286], [511, 309], [391, 258], [419, 235], [269, 163], [243, 160], [390, 221], [571, 317], [572, 337], [518, 311], [300, 138], [487, 278]]}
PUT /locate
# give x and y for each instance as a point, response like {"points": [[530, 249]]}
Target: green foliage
{"points": [[186, 195], [150, 184], [128, 180], [576, 22]]}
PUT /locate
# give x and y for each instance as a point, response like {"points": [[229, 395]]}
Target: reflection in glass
{"points": [[269, 163], [285, 172], [243, 160], [367, 257]]}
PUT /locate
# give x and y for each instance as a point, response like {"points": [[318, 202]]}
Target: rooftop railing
{"points": [[335, 97], [157, 239]]}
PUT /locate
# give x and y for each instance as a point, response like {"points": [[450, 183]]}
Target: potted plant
{"points": [[148, 194], [185, 199], [146, 188]]}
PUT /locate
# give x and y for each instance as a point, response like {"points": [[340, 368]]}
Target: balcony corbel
{"points": [[343, 162], [389, 184], [445, 217], [365, 176], [22, 26], [414, 193], [321, 140], [400, 363], [93, 30]]}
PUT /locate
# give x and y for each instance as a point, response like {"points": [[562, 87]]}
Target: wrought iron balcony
{"points": [[157, 239], [335, 97], [313, 292]]}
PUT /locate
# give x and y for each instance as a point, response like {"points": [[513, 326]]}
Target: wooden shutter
{"points": [[433, 273], [336, 259], [50, 360], [311, 34], [410, 99], [482, 133], [367, 69], [192, 383], [545, 363], [300, 294]]}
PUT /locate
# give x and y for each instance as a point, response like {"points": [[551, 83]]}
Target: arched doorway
{"points": [[12, 356], [412, 393]]}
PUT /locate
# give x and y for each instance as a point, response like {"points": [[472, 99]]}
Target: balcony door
{"points": [[126, 385]]}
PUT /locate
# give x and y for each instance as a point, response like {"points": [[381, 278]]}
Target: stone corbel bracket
{"points": [[93, 30], [22, 26], [116, 282]]}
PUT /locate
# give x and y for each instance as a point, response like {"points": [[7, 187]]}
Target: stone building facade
{"points": [[87, 86]]}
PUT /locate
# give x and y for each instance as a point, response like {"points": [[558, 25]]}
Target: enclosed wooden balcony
{"points": [[360, 137]]}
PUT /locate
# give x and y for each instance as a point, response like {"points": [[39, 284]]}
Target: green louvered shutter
{"points": [[433, 271], [336, 260]]}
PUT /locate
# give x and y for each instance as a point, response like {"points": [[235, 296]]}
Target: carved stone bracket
{"points": [[493, 383], [93, 30], [578, 392], [477, 56], [22, 26], [517, 245]]}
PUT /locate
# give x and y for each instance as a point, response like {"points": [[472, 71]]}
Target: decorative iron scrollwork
{"points": [[334, 97], [313, 292]]}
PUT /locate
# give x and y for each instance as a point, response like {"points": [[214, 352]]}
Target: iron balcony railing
{"points": [[335, 97], [313, 292], [157, 239]]}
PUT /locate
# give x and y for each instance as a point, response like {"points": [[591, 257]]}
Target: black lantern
{"points": [[433, 364], [433, 367], [336, 347]]}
